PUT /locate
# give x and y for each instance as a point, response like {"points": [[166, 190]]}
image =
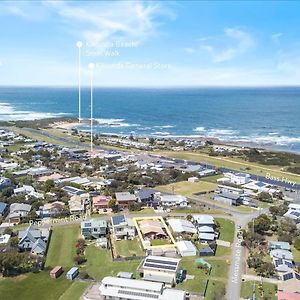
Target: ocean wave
{"points": [[276, 140], [220, 132], [9, 113], [161, 133], [164, 126], [199, 129], [114, 123]]}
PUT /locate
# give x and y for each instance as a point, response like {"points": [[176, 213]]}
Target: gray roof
{"points": [[14, 207], [125, 196]]}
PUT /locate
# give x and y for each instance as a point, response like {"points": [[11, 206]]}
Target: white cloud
{"points": [[99, 22], [233, 43]]}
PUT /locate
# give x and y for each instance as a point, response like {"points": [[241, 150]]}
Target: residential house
{"points": [[78, 204], [39, 171], [125, 198], [17, 211], [146, 197], [173, 200], [152, 228], [4, 183], [127, 289], [34, 240], [93, 228], [160, 269], [123, 228], [100, 202], [3, 209], [293, 212], [182, 226], [72, 191], [238, 178], [273, 245], [290, 283], [205, 226], [51, 209], [230, 195], [282, 260]]}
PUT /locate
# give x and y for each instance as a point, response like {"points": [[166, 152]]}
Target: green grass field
{"points": [[187, 189], [267, 289], [74, 291], [226, 230], [232, 163], [129, 248], [218, 274], [99, 263], [62, 246], [34, 287]]}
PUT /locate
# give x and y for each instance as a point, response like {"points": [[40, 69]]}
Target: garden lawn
{"points": [[227, 229], [223, 251], [214, 287], [218, 273], [129, 248], [268, 289], [99, 263], [75, 290], [62, 248], [34, 286]]}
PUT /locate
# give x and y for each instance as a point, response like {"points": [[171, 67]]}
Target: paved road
{"points": [[238, 256]]}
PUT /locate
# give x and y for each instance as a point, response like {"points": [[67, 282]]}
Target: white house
{"points": [[173, 200], [238, 178], [186, 248], [126, 288]]}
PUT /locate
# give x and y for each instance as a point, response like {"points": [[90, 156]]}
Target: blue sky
{"points": [[175, 43]]}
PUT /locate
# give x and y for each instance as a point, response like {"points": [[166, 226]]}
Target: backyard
{"points": [[261, 291], [129, 247], [62, 246], [198, 283]]}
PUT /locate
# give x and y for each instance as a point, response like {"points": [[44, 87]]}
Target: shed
{"points": [[72, 273], [56, 272], [186, 248]]}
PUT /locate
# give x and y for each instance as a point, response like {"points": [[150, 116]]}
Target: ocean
{"points": [[266, 116]]}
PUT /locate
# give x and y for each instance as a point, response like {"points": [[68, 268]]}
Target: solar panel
{"points": [[157, 266], [118, 219], [145, 295], [289, 264], [287, 276], [164, 262]]}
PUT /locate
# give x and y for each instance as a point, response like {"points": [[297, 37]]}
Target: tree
{"points": [[151, 141], [113, 205], [261, 224], [264, 197]]}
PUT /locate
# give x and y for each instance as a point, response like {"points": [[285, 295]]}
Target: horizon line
{"points": [[151, 86]]}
